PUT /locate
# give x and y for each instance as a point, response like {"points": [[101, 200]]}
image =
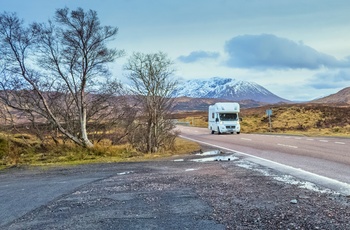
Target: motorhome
{"points": [[223, 118]]}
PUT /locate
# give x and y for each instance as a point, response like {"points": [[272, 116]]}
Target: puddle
{"points": [[179, 160], [191, 170], [209, 153], [216, 158], [124, 173]]}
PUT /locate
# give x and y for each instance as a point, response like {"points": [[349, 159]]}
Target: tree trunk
{"points": [[84, 136], [149, 138]]}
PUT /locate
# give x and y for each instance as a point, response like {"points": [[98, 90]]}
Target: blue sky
{"points": [[299, 50]]}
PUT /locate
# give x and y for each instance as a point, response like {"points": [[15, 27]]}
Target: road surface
{"points": [[321, 160]]}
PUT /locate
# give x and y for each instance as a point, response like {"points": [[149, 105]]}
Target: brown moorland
{"points": [[305, 119]]}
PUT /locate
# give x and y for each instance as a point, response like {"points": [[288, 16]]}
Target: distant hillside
{"points": [[311, 119], [202, 104], [341, 97], [226, 88]]}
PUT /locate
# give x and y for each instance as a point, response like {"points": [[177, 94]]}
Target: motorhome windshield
{"points": [[228, 116]]}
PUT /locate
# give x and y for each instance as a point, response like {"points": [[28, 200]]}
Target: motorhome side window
{"points": [[213, 115]]}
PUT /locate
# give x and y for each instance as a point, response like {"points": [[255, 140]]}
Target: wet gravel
{"points": [[185, 194]]}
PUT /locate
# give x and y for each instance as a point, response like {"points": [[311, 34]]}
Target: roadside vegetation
{"points": [[299, 119], [27, 150]]}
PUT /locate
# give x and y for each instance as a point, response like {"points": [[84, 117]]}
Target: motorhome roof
{"points": [[228, 107]]}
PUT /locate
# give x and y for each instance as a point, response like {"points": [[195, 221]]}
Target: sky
{"points": [[297, 49]]}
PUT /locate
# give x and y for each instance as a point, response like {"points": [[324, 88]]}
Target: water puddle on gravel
{"points": [[215, 155], [179, 160], [125, 173], [209, 153], [216, 158]]}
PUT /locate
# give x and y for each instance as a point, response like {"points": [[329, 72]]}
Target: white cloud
{"points": [[269, 51], [198, 55], [330, 80]]}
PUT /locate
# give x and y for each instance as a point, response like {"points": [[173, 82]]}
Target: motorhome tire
{"points": [[219, 131], [238, 132]]}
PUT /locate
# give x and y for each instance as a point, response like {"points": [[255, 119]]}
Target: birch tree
{"points": [[58, 70], [152, 85]]}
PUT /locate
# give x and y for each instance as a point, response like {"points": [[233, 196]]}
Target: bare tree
{"points": [[152, 84], [58, 71]]}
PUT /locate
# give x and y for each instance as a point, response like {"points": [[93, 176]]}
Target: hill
{"points": [[202, 104], [306, 118], [341, 97]]}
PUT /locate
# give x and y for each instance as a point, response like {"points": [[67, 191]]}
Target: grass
{"points": [[200, 120], [299, 119], [19, 151]]}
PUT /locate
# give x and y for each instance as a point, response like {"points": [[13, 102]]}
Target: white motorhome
{"points": [[223, 118]]}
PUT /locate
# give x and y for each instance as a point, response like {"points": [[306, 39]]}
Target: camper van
{"points": [[223, 118]]}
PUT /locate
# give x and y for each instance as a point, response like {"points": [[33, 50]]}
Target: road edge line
{"points": [[342, 187]]}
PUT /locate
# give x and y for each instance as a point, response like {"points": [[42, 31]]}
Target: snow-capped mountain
{"points": [[226, 88]]}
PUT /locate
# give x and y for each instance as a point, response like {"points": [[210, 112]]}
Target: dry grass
{"points": [[198, 120], [302, 119], [17, 150]]}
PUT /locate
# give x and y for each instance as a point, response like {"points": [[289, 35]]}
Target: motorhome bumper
{"points": [[229, 129]]}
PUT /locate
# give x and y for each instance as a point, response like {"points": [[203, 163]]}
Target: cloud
{"points": [[270, 51], [329, 80], [197, 55]]}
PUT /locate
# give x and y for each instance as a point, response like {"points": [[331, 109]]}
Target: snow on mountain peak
{"points": [[225, 88]]}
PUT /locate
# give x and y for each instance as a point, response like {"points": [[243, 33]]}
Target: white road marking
{"points": [[340, 186], [246, 139], [289, 146], [309, 139], [340, 143], [297, 138], [323, 141]]}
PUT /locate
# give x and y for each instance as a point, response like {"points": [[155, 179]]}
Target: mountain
{"points": [[202, 104], [341, 97], [226, 88]]}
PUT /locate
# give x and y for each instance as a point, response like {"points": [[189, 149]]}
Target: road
{"points": [[103, 196], [321, 160]]}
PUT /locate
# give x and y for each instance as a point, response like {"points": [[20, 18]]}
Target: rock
{"points": [[294, 201]]}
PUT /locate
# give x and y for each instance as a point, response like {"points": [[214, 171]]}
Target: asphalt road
{"points": [[102, 196], [321, 160], [23, 190]]}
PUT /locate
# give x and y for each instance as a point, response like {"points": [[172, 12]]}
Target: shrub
{"points": [[3, 147]]}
